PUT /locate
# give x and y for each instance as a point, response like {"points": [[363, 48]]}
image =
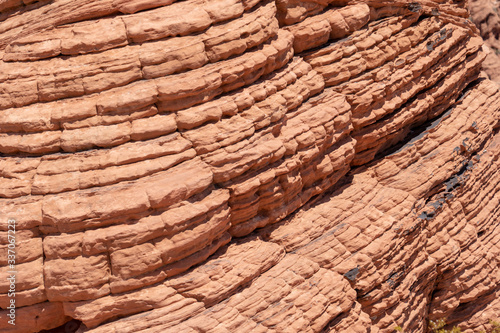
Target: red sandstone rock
{"points": [[249, 166], [485, 15]]}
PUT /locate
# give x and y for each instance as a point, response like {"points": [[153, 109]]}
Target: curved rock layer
{"points": [[247, 165]]}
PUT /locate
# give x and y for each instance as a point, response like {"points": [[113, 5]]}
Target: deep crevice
{"points": [[419, 131], [70, 327]]}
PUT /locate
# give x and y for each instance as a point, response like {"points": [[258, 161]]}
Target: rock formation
{"points": [[248, 166], [485, 14]]}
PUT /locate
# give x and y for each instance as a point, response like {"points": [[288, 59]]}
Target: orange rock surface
{"points": [[249, 165], [485, 14]]}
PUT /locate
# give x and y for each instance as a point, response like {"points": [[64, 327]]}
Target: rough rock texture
{"points": [[248, 166], [485, 14]]}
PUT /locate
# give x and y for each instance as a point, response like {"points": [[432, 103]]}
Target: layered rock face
{"points": [[248, 166]]}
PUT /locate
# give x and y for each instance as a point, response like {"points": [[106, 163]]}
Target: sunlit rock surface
{"points": [[486, 15], [248, 166]]}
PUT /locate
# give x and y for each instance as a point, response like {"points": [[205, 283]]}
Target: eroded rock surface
{"points": [[248, 166], [485, 14]]}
